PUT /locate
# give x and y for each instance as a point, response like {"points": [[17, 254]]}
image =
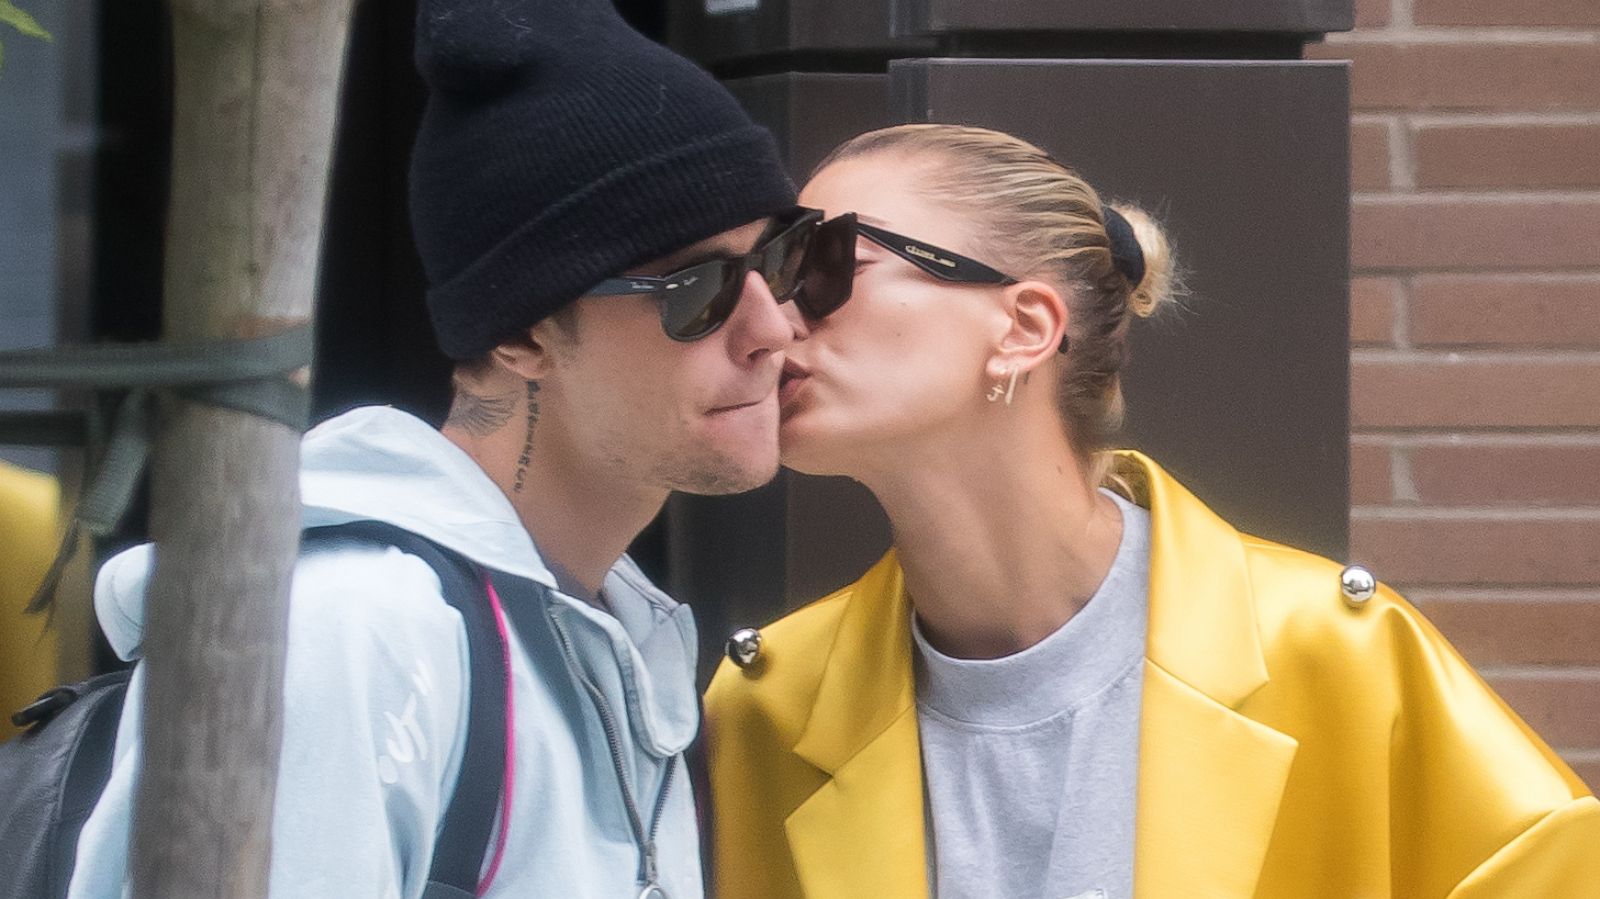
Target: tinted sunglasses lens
{"points": [[828, 268], [703, 298], [781, 258]]}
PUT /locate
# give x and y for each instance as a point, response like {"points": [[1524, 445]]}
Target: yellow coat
{"points": [[1290, 745], [28, 540]]}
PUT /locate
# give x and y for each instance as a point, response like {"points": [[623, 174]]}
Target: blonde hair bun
{"points": [[1159, 285]]}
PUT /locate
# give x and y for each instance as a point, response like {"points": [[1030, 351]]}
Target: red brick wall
{"points": [[1475, 332]]}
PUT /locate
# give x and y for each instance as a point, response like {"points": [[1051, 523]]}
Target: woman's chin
{"points": [[798, 460], [805, 448]]}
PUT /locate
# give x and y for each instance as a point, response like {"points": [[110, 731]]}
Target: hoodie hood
{"points": [[379, 463], [382, 464]]}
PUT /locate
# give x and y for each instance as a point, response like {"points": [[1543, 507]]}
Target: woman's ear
{"points": [[1039, 319]]}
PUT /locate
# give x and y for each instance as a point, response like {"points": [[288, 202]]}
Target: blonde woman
{"points": [[1070, 678]]}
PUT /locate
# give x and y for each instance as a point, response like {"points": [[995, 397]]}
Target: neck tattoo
{"points": [[480, 415], [527, 439]]}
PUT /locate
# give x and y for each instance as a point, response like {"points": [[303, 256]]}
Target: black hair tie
{"points": [[1126, 254]]}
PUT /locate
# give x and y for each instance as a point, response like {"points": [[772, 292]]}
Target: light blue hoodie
{"points": [[376, 687]]}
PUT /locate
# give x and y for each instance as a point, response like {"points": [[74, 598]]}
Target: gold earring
{"points": [[1007, 390]]}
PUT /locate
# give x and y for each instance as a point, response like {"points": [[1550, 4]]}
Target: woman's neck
{"points": [[999, 548]]}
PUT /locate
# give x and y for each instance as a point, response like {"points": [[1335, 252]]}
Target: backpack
{"points": [[54, 772]]}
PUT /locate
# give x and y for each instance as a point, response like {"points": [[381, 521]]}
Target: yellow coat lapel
{"points": [[861, 833], [1210, 781], [1210, 778]]}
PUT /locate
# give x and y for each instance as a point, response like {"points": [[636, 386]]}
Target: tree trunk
{"points": [[257, 88]]}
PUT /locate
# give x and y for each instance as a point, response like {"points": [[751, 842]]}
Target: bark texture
{"points": [[257, 89]]}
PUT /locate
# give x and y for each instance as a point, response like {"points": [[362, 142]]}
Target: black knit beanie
{"points": [[559, 148]]}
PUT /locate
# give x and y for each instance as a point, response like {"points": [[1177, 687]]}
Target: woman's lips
{"points": [[791, 382]]}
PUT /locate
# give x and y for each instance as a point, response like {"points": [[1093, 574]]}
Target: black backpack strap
{"points": [[99, 699], [700, 778], [458, 856]]}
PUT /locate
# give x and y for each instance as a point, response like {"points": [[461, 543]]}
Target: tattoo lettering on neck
{"points": [[480, 415], [527, 439]]}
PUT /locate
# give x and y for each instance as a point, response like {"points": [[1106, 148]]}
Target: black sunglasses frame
{"points": [[840, 233], [710, 311], [936, 261]]}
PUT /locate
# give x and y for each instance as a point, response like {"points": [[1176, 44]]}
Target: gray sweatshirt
{"points": [[1031, 760]]}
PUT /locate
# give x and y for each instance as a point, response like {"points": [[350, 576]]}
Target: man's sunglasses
{"points": [[831, 265], [698, 300]]}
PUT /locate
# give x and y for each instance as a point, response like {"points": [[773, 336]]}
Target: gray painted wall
{"points": [[46, 120]]}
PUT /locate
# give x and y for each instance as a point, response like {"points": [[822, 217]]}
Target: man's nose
{"points": [[759, 325]]}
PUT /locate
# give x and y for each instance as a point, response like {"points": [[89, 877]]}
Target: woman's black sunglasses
{"points": [[830, 266], [697, 300]]}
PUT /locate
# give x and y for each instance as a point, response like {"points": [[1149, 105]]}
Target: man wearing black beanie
{"points": [[607, 239]]}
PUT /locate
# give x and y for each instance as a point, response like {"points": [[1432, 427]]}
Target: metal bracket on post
{"points": [[251, 375]]}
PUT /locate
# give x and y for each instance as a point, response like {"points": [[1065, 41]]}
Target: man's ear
{"points": [[1039, 319], [531, 354]]}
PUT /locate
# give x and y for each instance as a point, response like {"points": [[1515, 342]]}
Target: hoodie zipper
{"points": [[649, 874]]}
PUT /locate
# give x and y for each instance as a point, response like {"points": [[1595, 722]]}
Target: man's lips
{"points": [[734, 407]]}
